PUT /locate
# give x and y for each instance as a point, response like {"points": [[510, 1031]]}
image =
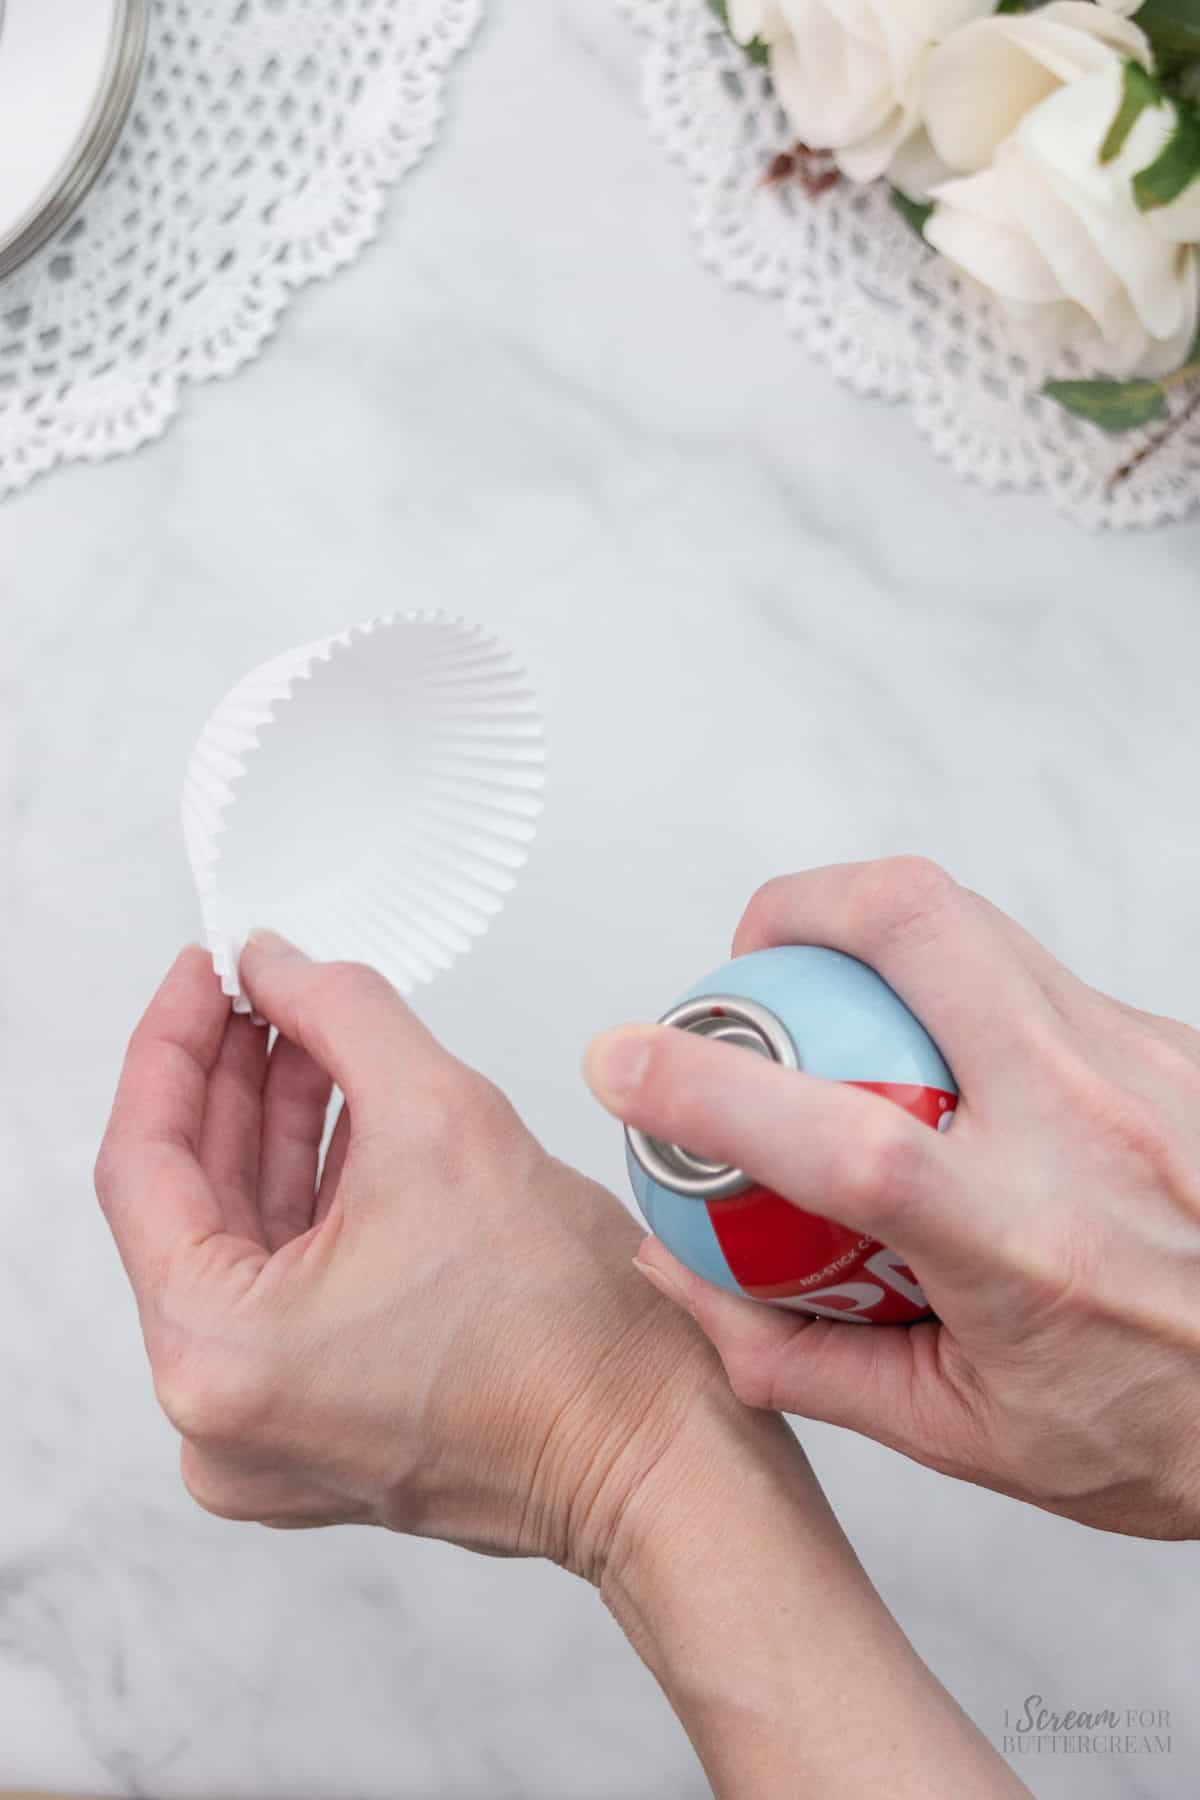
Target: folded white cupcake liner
{"points": [[371, 797]]}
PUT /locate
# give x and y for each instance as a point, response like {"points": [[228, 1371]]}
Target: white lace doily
{"points": [[263, 136], [864, 293]]}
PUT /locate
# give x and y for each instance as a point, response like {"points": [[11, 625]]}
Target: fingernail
{"points": [[666, 1284], [269, 943], [615, 1061]]}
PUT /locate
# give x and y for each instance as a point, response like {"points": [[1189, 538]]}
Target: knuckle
{"points": [[144, 1036], [766, 907], [336, 1004], [750, 1380], [449, 1100], [1172, 1051], [898, 900], [1121, 1120], [878, 1172], [454, 1114], [212, 1489], [350, 985], [493, 1115], [215, 1410], [1134, 1126], [104, 1173]]}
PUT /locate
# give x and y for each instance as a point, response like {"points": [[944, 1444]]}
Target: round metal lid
{"points": [[68, 69], [729, 1020]]}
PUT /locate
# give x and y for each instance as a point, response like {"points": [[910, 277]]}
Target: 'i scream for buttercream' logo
{"points": [[1034, 1728]]}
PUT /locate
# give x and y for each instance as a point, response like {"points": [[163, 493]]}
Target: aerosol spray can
{"points": [[827, 1014]]}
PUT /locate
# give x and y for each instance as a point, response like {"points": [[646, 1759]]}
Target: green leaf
{"points": [[1138, 91], [913, 212], [1174, 168], [756, 50], [1172, 26], [1113, 405]]}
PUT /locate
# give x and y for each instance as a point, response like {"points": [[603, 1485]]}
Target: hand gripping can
{"points": [[829, 1015]]}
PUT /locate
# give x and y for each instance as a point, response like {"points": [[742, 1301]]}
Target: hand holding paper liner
{"points": [[371, 796]]}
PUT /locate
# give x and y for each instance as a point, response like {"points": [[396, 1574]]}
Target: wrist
{"points": [[732, 1579], [664, 1406], [713, 1508], [596, 1423]]}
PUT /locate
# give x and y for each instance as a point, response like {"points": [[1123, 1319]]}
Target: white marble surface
{"points": [[769, 631]]}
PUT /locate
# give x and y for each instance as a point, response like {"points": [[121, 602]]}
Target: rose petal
{"points": [[750, 19], [834, 90], [1170, 353], [982, 81], [1179, 222], [974, 224], [978, 87], [1096, 199], [1083, 273], [915, 167], [876, 155]]}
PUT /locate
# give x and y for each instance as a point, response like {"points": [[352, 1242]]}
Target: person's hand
{"points": [[445, 1335], [1055, 1227]]}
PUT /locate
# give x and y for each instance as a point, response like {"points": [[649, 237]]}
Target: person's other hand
{"points": [[443, 1335], [1055, 1227]]}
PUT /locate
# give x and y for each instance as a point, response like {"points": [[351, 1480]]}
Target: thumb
{"points": [[348, 1017], [859, 1376]]}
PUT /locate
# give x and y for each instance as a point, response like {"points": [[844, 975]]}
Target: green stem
{"points": [[1176, 425]]}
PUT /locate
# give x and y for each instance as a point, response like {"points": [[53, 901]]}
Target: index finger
{"points": [[827, 1146], [148, 1177]]}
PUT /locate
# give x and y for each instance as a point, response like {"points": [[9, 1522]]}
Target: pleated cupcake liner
{"points": [[371, 796]]}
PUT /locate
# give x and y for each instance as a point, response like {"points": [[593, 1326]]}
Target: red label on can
{"points": [[778, 1252]]}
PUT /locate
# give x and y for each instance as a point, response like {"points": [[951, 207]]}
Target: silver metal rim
{"points": [[96, 143], [731, 1019]]}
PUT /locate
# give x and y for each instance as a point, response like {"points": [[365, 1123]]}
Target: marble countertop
{"points": [[769, 631]]}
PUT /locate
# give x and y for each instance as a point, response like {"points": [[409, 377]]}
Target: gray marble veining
{"points": [[769, 631]]}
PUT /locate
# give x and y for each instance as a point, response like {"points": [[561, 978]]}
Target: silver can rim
{"points": [[700, 1180], [95, 145]]}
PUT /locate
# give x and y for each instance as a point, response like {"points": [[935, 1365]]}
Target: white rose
{"points": [[848, 73], [1057, 235], [980, 83]]}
